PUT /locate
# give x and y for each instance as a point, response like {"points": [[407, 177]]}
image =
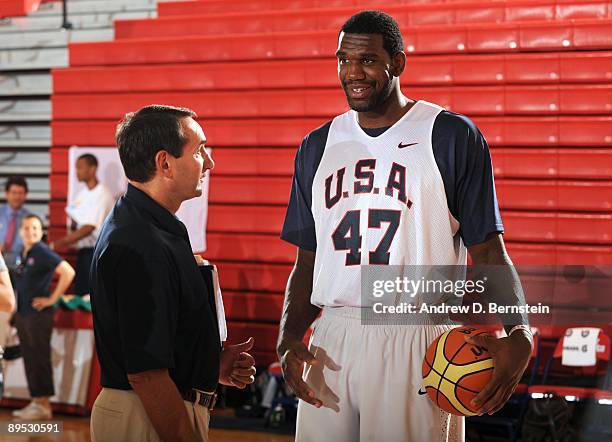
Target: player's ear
{"points": [[398, 63], [162, 164]]}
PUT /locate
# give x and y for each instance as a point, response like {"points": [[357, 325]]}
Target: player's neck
{"points": [[91, 183], [388, 113]]}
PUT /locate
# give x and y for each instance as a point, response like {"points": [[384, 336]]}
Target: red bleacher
{"points": [[555, 371], [500, 131], [328, 18], [493, 69], [533, 74], [451, 39], [483, 100], [524, 9], [553, 163], [16, 8]]}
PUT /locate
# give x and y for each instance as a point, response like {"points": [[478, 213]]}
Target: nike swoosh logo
{"points": [[402, 145], [421, 393]]}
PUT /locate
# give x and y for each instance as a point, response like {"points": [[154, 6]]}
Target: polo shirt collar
{"points": [[162, 216], [35, 247]]}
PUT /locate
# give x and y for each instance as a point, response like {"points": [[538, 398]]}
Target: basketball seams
{"points": [[463, 345], [442, 385], [457, 412], [432, 368], [441, 339], [451, 362]]}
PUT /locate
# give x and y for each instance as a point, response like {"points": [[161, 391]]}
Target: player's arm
{"points": [[503, 286], [163, 405], [298, 315], [511, 355], [73, 237], [65, 274], [7, 295]]}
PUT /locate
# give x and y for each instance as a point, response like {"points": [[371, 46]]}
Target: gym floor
{"points": [[76, 429]]}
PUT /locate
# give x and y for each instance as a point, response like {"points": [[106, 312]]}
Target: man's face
{"points": [[365, 70], [190, 168], [16, 196], [84, 171]]}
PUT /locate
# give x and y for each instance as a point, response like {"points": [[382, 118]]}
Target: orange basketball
{"points": [[455, 371]]}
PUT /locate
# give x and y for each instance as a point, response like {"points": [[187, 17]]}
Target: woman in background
{"points": [[34, 316]]}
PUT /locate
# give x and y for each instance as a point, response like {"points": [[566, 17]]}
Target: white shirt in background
{"points": [[90, 208]]}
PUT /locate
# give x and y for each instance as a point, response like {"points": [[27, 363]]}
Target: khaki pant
{"points": [[5, 327], [369, 380], [118, 416]]}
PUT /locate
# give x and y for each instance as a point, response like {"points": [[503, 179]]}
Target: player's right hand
{"points": [[293, 356]]}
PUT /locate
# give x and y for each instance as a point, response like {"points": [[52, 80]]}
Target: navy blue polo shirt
{"points": [[152, 308], [33, 276]]}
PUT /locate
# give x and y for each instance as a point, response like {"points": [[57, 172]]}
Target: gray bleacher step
{"points": [[37, 203], [25, 83], [25, 163], [18, 136], [89, 6], [25, 109], [78, 21], [31, 59], [50, 39]]}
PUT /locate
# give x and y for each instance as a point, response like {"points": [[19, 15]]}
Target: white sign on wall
{"points": [[71, 357], [193, 213]]}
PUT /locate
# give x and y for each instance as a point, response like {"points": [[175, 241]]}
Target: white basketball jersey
{"points": [[379, 200], [416, 194]]}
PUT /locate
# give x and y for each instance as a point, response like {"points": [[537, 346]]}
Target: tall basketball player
{"points": [[393, 181]]}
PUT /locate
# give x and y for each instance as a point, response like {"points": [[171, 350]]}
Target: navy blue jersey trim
{"points": [[299, 226], [463, 158]]}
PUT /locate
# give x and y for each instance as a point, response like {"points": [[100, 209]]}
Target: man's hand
{"points": [[510, 358], [237, 368], [293, 356], [41, 303]]}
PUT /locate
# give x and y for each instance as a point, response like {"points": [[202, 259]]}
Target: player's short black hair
{"points": [[89, 159], [376, 22], [141, 134], [16, 181]]}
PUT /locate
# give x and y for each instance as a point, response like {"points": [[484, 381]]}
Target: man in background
{"points": [[87, 213], [11, 214]]}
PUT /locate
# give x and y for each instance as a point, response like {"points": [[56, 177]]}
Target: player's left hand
{"points": [[237, 367], [41, 303], [510, 358]]}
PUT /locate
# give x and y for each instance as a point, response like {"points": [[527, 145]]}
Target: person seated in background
{"points": [[11, 214], [34, 316], [7, 302], [87, 213]]}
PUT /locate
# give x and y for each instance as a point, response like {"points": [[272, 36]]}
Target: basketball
{"points": [[455, 371]]}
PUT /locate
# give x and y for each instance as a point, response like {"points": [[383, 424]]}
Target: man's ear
{"points": [[162, 164], [398, 63]]}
